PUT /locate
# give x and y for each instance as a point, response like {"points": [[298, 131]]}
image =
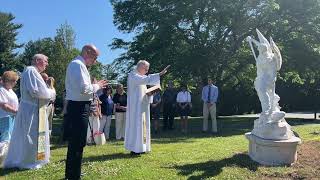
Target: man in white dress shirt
{"points": [[137, 134], [79, 93]]}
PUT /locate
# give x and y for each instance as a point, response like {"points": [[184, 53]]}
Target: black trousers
{"points": [[75, 132], [168, 116]]}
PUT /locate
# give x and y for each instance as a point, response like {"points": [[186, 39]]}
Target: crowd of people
{"points": [[174, 102], [104, 105], [89, 105]]}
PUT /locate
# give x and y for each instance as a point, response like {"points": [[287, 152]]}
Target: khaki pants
{"points": [[212, 111], [120, 124], [50, 113], [105, 123], [94, 124]]}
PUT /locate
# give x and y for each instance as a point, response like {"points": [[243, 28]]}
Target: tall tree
{"points": [[60, 51], [8, 36], [207, 37]]}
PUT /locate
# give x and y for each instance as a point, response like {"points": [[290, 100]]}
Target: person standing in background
{"points": [[209, 98], [155, 110], [169, 106], [184, 104], [106, 110], [120, 102], [8, 105], [50, 107]]}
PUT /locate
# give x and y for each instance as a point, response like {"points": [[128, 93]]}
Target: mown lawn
{"points": [[174, 155]]}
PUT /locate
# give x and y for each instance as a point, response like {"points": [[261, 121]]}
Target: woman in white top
{"points": [[8, 109], [184, 106], [8, 104]]}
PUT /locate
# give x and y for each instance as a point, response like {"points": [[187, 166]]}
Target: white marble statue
{"points": [[271, 123]]}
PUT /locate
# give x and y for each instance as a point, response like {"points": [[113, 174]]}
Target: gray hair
{"points": [[143, 62], [38, 56]]}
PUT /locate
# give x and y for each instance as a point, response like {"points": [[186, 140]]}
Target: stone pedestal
{"points": [[273, 152]]}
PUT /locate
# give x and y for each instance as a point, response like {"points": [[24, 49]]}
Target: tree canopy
{"points": [[8, 45], [207, 38]]}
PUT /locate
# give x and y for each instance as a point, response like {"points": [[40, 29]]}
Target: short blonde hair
{"points": [[9, 76]]}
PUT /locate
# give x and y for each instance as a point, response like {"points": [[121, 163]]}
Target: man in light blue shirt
{"points": [[209, 98]]}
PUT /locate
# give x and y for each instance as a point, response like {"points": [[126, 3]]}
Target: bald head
{"points": [[143, 67], [91, 49], [90, 54], [40, 61]]}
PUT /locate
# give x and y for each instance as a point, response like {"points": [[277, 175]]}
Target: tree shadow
{"points": [[58, 146], [227, 126], [214, 168], [297, 122], [108, 157], [4, 172]]}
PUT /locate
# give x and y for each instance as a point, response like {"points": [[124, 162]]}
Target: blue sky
{"points": [[92, 21]]}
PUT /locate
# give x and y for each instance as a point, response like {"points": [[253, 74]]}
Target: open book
{"points": [[153, 89]]}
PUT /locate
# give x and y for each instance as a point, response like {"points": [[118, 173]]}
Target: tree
{"points": [[8, 34], [60, 52], [206, 37]]}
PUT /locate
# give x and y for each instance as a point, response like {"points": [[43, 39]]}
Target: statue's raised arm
{"points": [[277, 55]]}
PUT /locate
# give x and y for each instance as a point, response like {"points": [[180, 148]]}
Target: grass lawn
{"points": [[174, 155]]}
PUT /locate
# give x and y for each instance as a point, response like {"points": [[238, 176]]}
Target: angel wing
{"points": [[277, 55]]}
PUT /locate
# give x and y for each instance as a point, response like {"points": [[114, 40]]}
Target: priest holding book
{"points": [[137, 135]]}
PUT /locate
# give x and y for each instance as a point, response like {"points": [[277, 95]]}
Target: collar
{"points": [[81, 59]]}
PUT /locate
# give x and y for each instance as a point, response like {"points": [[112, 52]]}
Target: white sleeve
{"points": [[37, 87], [178, 98], [151, 79], [3, 98], [85, 81], [189, 97]]}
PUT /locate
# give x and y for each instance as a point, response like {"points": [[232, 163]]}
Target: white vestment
{"points": [[24, 140], [137, 135]]}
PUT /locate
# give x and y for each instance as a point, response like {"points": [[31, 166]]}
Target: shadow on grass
{"points": [[108, 157], [226, 127], [214, 168], [4, 172]]}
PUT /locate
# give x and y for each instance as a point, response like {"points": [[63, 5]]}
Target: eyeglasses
{"points": [[146, 68]]}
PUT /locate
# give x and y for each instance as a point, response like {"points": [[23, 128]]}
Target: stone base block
{"points": [[273, 152]]}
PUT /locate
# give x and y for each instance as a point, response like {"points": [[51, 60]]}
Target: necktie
{"points": [[209, 93]]}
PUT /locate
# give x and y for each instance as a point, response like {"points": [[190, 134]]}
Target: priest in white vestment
{"points": [[23, 148], [137, 134]]}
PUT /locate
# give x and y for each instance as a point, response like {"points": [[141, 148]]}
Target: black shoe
{"points": [[134, 153]]}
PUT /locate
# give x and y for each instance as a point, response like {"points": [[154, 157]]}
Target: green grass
{"points": [[174, 155]]}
